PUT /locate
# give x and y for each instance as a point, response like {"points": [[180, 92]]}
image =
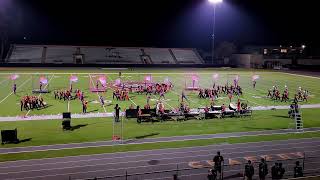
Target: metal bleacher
{"points": [[109, 55], [61, 54], [160, 55], [25, 54], [187, 56]]}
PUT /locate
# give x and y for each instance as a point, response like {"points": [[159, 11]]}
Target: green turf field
{"points": [[44, 132], [98, 129], [60, 81]]}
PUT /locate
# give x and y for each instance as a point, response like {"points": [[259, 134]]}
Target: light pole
{"points": [[214, 3]]}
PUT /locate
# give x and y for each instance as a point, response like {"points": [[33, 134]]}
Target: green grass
{"points": [[151, 146], [59, 81], [97, 129]]}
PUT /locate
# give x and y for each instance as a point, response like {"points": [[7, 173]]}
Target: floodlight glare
{"points": [[215, 1]]}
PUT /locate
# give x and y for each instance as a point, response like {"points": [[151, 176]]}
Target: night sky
{"points": [[159, 23]]}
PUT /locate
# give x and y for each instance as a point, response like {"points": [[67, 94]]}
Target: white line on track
{"points": [[17, 88], [41, 93], [213, 146], [162, 141], [262, 153], [115, 169]]}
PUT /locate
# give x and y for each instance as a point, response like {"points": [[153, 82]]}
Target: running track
{"points": [[80, 167]]}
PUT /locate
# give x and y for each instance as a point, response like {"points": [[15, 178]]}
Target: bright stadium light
{"points": [[214, 2]]}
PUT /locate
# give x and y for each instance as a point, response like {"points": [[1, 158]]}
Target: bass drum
{"points": [[232, 106]]}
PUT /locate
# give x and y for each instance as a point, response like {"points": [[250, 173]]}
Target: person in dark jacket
{"points": [[298, 170], [263, 169], [249, 170]]}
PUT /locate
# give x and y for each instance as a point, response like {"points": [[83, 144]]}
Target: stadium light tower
{"points": [[214, 3]]}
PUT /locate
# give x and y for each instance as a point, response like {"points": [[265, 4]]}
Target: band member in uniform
{"points": [[14, 88], [40, 86], [101, 100], [117, 113], [139, 114], [223, 110], [183, 96], [238, 105], [254, 82], [148, 99], [84, 106], [21, 104], [162, 94], [230, 96]]}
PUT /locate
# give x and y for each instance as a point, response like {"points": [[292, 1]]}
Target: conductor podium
{"points": [[66, 121], [9, 136]]}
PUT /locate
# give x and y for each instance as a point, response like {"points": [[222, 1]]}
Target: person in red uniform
{"points": [[230, 96], [238, 105], [223, 110]]}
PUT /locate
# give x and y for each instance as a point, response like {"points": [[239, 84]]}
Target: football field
{"points": [[45, 132]]}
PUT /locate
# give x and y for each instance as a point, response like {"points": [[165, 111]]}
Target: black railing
{"points": [[228, 171]]}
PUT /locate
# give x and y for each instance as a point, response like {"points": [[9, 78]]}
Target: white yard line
{"points": [[313, 77], [12, 91], [3, 81], [164, 102], [40, 93], [104, 108], [129, 97]]}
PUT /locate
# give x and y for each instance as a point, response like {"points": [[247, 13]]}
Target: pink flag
{"points": [[14, 77], [215, 76], [103, 80], [73, 78], [236, 78], [194, 77], [148, 78], [43, 80], [255, 77], [117, 82]]}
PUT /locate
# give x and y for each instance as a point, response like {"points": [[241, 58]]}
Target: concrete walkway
{"points": [[148, 140]]}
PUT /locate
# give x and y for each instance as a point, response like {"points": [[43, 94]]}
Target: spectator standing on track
{"points": [[281, 171], [274, 171], [218, 160], [263, 169], [248, 171], [212, 174], [297, 170]]}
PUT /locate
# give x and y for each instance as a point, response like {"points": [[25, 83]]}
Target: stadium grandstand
{"points": [[58, 54]]}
